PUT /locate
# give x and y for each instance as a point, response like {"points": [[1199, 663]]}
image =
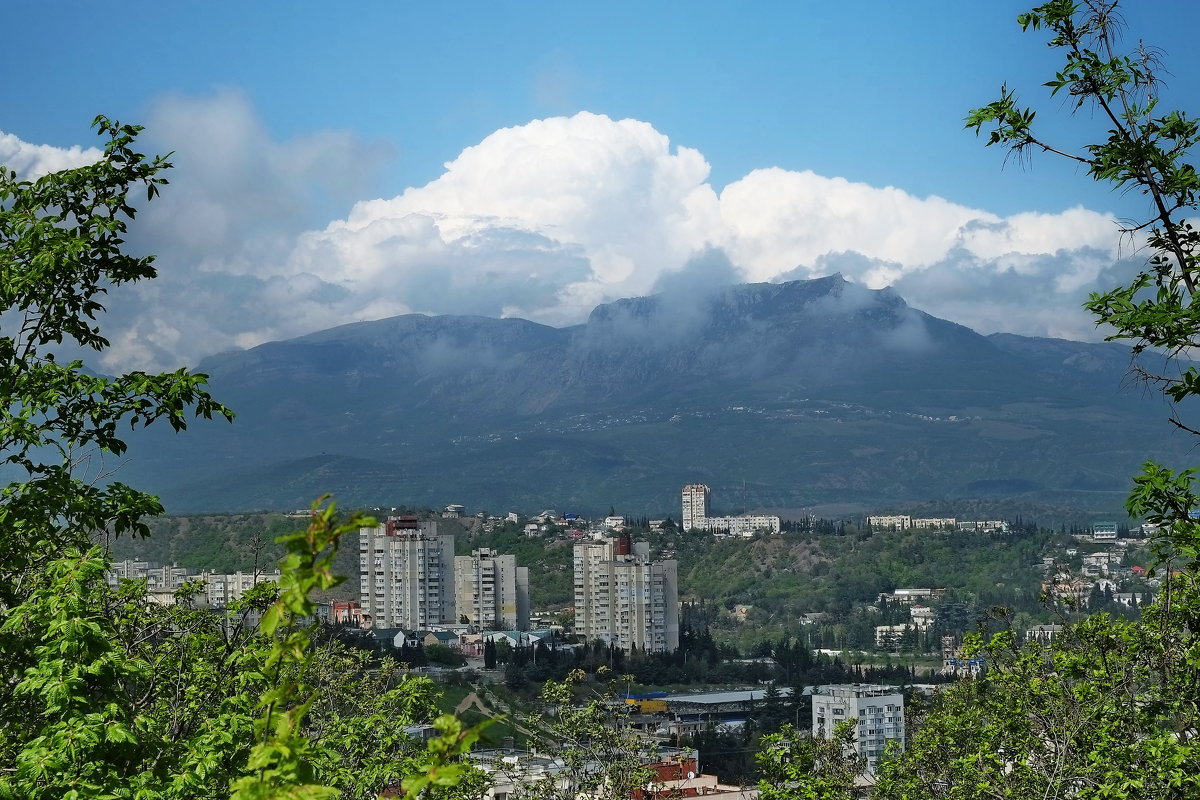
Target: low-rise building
{"points": [[1131, 599], [898, 522], [1045, 634], [937, 523], [923, 617], [955, 663], [679, 776], [910, 596], [890, 637], [745, 525], [985, 526]]}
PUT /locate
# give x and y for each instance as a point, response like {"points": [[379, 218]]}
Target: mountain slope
{"points": [[777, 395]]}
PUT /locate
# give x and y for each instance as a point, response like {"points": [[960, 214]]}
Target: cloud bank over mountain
{"points": [[543, 221]]}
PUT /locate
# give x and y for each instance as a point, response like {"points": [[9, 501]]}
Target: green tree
{"points": [[107, 695], [61, 240], [602, 756], [1099, 713], [1111, 708], [795, 765]]}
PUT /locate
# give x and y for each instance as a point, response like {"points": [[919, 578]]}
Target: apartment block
{"points": [[695, 506], [745, 525], [624, 598], [878, 712], [220, 589], [491, 590], [406, 574], [697, 516]]}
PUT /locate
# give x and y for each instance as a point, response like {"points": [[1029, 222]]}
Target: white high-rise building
{"points": [[406, 574], [878, 712], [695, 506], [625, 599], [491, 590]]}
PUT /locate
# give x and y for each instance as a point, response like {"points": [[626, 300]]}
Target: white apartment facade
{"points": [[898, 521], [746, 525], [696, 515], [221, 589], [491, 590], [903, 522], [624, 598], [878, 712], [695, 506], [406, 574]]}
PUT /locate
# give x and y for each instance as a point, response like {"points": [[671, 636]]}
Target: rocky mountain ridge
{"points": [[778, 395]]}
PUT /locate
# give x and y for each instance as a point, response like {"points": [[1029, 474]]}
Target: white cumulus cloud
{"points": [[544, 221], [555, 216], [32, 161]]}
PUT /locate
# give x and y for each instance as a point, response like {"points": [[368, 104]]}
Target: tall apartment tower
{"points": [[695, 506], [406, 574], [491, 590], [625, 599], [878, 712]]}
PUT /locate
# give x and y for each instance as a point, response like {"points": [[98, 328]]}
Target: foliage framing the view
{"points": [[106, 694], [1146, 150], [1111, 708]]}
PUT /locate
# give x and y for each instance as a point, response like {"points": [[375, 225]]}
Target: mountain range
{"points": [[780, 396]]}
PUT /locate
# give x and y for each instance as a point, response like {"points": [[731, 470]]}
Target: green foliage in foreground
{"points": [[798, 766], [1111, 709], [1108, 711], [107, 695]]}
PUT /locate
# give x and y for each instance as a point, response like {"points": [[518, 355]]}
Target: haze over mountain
{"points": [[779, 396]]}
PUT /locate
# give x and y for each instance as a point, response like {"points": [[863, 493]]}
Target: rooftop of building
{"points": [[718, 698], [856, 690]]}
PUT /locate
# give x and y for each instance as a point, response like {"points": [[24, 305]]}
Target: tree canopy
{"points": [[1111, 707], [105, 694]]}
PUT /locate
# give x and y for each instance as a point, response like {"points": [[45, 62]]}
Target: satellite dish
{"points": [[691, 774]]}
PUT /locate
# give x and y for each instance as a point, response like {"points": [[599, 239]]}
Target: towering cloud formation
{"points": [[544, 221]]}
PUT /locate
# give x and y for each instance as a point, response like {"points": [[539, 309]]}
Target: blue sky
{"points": [[312, 144]]}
